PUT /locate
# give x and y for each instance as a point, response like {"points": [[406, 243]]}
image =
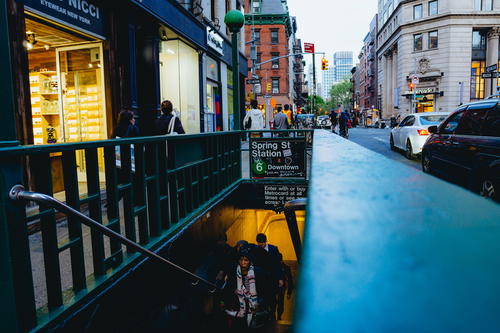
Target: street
{"points": [[377, 139]]}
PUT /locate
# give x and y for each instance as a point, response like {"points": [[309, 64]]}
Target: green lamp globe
{"points": [[234, 20]]}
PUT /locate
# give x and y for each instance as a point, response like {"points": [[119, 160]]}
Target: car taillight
{"points": [[423, 132]]}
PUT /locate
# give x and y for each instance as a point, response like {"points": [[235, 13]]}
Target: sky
{"points": [[333, 25]]}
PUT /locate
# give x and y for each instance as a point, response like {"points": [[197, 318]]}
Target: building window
{"points": [[258, 60], [433, 40], [417, 12], [274, 36], [479, 39], [275, 62], [276, 85], [256, 6], [483, 5], [417, 42], [178, 71], [256, 36], [433, 8]]}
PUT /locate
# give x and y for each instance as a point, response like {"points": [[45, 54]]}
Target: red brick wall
{"points": [[266, 73]]}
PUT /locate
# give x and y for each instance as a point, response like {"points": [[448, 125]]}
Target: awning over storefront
{"points": [[172, 15], [424, 91]]}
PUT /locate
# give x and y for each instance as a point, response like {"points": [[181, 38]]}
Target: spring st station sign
{"points": [[278, 158]]}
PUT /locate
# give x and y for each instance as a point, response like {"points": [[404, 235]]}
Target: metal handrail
{"points": [[291, 219], [18, 193]]}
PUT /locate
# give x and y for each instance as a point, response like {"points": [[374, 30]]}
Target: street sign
{"points": [[308, 48], [492, 75], [253, 81], [492, 68]]}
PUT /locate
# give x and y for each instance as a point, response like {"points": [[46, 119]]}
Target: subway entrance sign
{"points": [[278, 158]]}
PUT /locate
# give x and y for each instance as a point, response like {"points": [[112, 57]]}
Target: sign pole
{"points": [[314, 84]]}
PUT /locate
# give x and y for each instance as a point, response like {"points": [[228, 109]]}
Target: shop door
{"points": [[82, 92]]}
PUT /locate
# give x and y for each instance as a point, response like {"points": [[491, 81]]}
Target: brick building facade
{"points": [[269, 24]]}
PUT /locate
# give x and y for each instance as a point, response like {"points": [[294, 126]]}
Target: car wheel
{"points": [[488, 189], [391, 142], [409, 151], [426, 162]]}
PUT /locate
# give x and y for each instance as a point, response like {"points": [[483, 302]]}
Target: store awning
{"points": [[174, 16], [424, 91]]}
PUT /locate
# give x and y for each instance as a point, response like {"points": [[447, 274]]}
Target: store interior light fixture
{"points": [[30, 40]]}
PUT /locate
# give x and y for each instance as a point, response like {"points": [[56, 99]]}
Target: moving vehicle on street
{"points": [[465, 148], [323, 121], [411, 134]]}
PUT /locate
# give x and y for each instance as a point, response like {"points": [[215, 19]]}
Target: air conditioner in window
{"points": [[275, 66]]}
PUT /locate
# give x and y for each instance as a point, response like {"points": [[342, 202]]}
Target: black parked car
{"points": [[465, 148]]}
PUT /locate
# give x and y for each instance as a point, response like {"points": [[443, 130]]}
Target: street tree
{"points": [[341, 93], [320, 104]]}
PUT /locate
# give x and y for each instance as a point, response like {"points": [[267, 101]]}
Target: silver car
{"points": [[411, 134]]}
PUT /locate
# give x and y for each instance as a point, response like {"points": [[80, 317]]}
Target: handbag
{"points": [[171, 125]]}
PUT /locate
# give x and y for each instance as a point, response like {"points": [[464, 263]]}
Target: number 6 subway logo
{"points": [[259, 167]]}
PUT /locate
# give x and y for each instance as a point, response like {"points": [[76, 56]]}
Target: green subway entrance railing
{"points": [[147, 189]]}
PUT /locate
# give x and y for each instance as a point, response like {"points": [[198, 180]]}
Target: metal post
{"points": [[17, 305], [235, 20], [236, 81], [314, 84], [414, 101]]}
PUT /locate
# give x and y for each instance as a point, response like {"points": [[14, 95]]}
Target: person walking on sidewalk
{"points": [[254, 120], [343, 120], [126, 127], [162, 123], [281, 122], [333, 119]]}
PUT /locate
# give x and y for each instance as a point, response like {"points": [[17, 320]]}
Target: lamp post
{"points": [[235, 20]]}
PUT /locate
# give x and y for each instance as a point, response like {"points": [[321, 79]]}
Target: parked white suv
{"points": [[411, 134]]}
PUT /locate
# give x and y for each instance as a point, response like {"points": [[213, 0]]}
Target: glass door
{"points": [[81, 92]]}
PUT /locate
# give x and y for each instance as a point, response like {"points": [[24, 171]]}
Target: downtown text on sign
{"points": [[277, 158], [77, 13]]}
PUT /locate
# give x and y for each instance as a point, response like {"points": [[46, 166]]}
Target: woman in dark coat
{"points": [[163, 122], [246, 293], [126, 127]]}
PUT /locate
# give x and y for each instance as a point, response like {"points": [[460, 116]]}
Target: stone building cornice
{"points": [[494, 33]]}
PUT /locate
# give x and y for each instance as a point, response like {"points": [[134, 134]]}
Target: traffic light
{"points": [[411, 86], [268, 87], [324, 64]]}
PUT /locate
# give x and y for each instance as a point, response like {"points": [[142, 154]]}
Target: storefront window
{"points": [[425, 103], [66, 83], [179, 79], [213, 112], [477, 83]]}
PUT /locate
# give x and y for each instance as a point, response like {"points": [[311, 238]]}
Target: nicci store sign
{"points": [[79, 14]]}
